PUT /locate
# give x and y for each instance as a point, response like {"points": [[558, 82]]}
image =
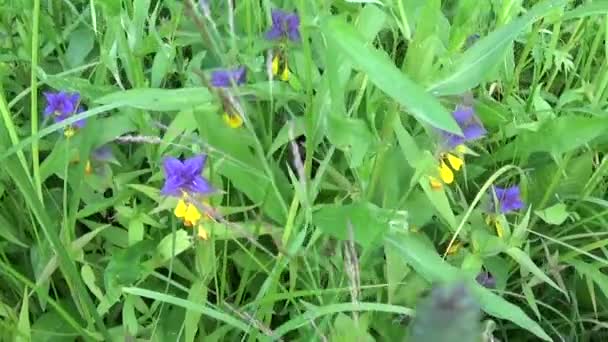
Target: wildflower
{"points": [[99, 156], [279, 66], [453, 160], [454, 248], [486, 280], [62, 105], [509, 199], [184, 180], [233, 120], [185, 177], [227, 78], [469, 124], [284, 25]]}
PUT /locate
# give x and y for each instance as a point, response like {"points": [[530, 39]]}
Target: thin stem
{"points": [[34, 99]]}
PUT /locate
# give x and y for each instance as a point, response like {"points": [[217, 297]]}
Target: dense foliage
{"points": [[350, 170]]}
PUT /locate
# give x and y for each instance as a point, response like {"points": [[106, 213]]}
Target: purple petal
{"points": [[172, 186], [452, 140], [240, 75], [220, 79], [473, 131], [463, 114], [60, 117], [103, 153], [486, 280], [199, 186], [293, 27], [80, 123], [194, 166], [274, 33], [278, 17], [173, 167]]}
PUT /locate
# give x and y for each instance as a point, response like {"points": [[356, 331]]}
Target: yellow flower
{"points": [[454, 248], [494, 221], [202, 233], [454, 161], [69, 132], [88, 169], [280, 68], [188, 212], [233, 120], [446, 173]]}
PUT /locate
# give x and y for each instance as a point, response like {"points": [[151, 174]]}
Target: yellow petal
{"points": [[69, 132], [285, 74], [275, 64], [455, 162], [435, 183], [88, 169], [202, 233], [500, 231], [233, 120], [454, 248], [446, 174], [180, 209], [192, 214]]}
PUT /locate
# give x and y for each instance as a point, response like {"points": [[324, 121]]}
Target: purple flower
{"points": [[509, 199], [486, 280], [284, 25], [61, 104], [225, 78], [185, 176], [469, 123], [103, 154]]}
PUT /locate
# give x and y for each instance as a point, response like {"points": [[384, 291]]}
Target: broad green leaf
{"points": [[564, 134], [524, 261], [555, 214], [161, 65], [198, 295], [81, 43], [160, 99], [368, 222], [473, 67], [351, 136], [433, 268], [386, 76]]}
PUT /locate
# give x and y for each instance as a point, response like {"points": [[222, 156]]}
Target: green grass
{"points": [[325, 224]]}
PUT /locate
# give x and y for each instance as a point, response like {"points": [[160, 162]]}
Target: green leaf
{"points": [[563, 134], [588, 9], [24, 320], [481, 59], [198, 295], [350, 135], [591, 271], [204, 309], [368, 222], [433, 268], [162, 62], [524, 261], [316, 312], [386, 76], [80, 45], [555, 214], [160, 99]]}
